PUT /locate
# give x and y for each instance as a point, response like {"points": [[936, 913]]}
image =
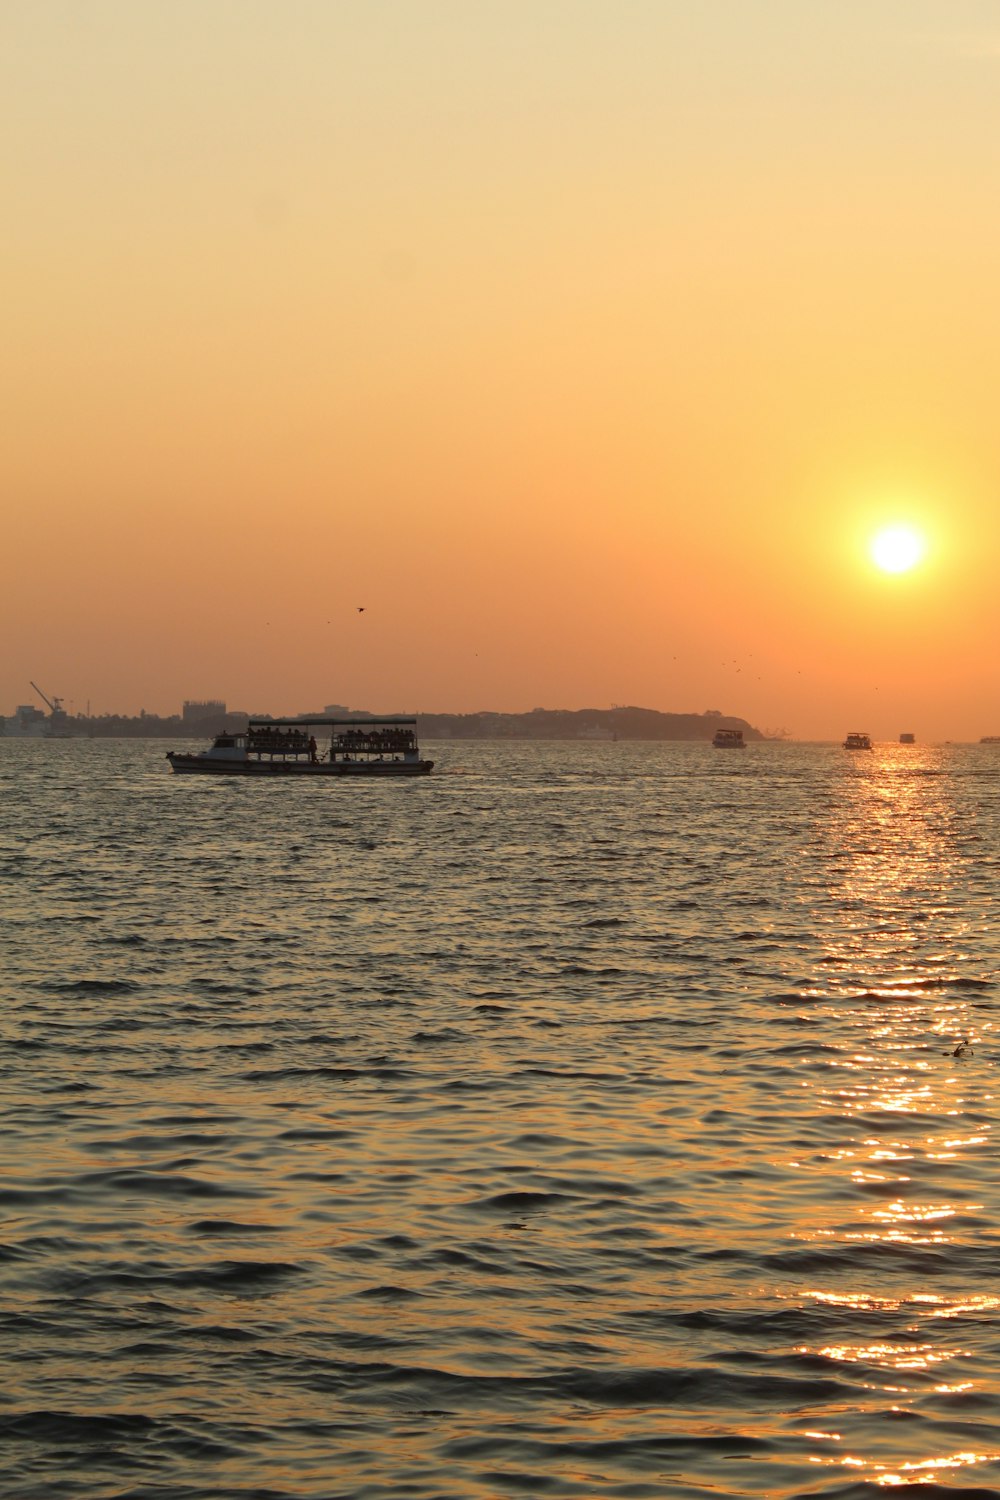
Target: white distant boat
{"points": [[857, 741], [729, 739], [288, 747]]}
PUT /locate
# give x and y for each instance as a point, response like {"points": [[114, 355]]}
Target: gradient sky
{"points": [[584, 344]]}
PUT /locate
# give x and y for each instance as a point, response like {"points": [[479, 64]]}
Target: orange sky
{"points": [[585, 345]]}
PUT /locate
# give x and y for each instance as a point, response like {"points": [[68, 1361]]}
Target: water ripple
{"points": [[587, 1121]]}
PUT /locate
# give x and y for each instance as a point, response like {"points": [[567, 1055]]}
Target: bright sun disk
{"points": [[897, 548]]}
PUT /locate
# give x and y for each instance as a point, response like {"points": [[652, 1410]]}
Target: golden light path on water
{"points": [[604, 1121], [914, 1113]]}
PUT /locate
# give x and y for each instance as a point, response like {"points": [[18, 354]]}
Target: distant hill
{"points": [[539, 724], [581, 724]]}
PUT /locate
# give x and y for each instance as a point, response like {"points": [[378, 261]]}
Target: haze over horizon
{"points": [[480, 356]]}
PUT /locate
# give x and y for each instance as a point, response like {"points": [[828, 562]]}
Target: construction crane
{"points": [[56, 704]]}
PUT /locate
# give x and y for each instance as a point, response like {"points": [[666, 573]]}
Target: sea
{"points": [[603, 1120]]}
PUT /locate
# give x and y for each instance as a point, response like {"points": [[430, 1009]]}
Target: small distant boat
{"points": [[729, 739], [907, 739], [990, 739], [856, 741], [288, 747]]}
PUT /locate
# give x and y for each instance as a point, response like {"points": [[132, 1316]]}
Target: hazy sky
{"points": [[584, 344]]}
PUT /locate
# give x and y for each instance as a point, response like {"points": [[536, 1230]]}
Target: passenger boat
{"points": [[729, 739], [857, 741], [289, 747]]}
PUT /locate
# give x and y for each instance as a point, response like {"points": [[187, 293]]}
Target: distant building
{"points": [[26, 722], [199, 712]]}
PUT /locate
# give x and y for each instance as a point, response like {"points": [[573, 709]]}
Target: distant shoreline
{"points": [[585, 724]]}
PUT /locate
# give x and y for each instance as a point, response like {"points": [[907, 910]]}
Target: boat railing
{"points": [[379, 742], [277, 742]]}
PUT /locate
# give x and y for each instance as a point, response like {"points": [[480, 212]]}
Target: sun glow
{"points": [[896, 549]]}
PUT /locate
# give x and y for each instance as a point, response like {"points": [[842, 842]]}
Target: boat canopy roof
{"points": [[394, 720]]}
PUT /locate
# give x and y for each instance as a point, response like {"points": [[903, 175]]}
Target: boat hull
{"points": [[203, 765]]}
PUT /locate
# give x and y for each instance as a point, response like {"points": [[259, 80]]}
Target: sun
{"points": [[896, 549]]}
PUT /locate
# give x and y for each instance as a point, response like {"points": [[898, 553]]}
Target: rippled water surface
{"points": [[584, 1120]]}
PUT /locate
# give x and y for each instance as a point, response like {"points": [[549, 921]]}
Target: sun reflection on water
{"points": [[903, 1070], [921, 1471]]}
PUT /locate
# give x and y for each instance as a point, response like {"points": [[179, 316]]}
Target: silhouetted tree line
{"points": [[582, 723], [539, 724], [148, 726]]}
